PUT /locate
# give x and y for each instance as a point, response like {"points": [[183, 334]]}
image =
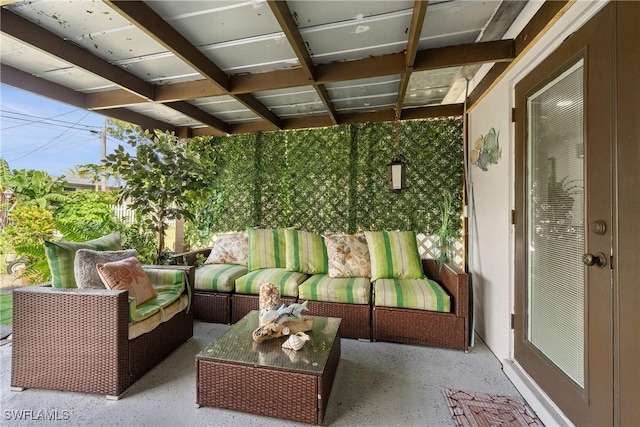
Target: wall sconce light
{"points": [[397, 169], [397, 172]]}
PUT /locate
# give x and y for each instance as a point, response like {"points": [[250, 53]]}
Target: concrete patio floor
{"points": [[377, 384]]}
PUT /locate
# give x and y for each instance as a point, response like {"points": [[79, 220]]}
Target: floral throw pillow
{"points": [[127, 275], [348, 255], [230, 248]]}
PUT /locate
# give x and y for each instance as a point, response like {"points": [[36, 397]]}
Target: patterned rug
{"points": [[480, 409]]}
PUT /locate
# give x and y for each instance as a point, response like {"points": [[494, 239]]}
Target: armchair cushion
{"points": [[127, 275], [419, 294], [85, 265], [229, 248], [169, 286], [394, 254], [61, 254], [306, 252]]}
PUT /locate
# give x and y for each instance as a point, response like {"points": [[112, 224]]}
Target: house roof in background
{"points": [[226, 67]]}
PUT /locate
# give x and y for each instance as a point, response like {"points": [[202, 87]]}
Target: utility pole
{"points": [[104, 154]]}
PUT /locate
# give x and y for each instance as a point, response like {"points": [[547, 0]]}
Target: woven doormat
{"points": [[480, 409]]}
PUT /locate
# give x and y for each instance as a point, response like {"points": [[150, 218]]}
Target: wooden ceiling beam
{"points": [[145, 122], [112, 99], [544, 18], [392, 64], [465, 54], [152, 24], [289, 26], [25, 81], [417, 22], [308, 122], [199, 115], [45, 41], [432, 112]]}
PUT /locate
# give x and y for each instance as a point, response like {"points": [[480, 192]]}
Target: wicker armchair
{"points": [[78, 340]]}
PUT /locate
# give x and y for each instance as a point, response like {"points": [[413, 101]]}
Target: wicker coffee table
{"points": [[234, 372]]}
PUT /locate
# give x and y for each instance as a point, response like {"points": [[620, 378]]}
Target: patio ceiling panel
{"points": [[164, 113], [293, 102], [430, 87], [372, 94], [226, 108], [350, 36], [216, 67], [455, 22]]}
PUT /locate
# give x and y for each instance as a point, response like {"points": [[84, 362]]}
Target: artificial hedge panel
{"points": [[335, 179], [235, 179], [319, 169]]}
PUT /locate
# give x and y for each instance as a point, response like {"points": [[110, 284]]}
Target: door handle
{"points": [[599, 259]]}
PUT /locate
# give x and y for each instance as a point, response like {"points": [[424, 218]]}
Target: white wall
{"points": [[491, 264]]}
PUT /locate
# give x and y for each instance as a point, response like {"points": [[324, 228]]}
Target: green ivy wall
{"points": [[335, 179]]}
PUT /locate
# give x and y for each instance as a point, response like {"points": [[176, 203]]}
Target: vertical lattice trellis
{"points": [[335, 179], [428, 247]]}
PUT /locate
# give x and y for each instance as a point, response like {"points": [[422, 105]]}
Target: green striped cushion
{"points": [[306, 252], [218, 277], [348, 290], [168, 284], [61, 255], [286, 281], [419, 294], [394, 254], [267, 248]]}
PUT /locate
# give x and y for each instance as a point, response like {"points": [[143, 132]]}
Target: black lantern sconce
{"points": [[397, 169], [397, 172]]}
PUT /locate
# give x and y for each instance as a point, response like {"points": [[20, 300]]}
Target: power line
{"points": [[32, 120], [50, 141]]}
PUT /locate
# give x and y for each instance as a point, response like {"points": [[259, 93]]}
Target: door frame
{"points": [[594, 403]]}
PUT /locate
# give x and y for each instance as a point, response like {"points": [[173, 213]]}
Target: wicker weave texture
{"points": [[77, 340], [243, 304], [212, 307], [419, 327], [278, 394], [149, 349], [70, 341], [356, 318]]}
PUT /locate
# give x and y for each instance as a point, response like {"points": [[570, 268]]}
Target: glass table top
{"points": [[237, 346]]}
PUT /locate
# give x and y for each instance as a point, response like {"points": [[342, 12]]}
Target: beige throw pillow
{"points": [[348, 255], [127, 275], [230, 248]]}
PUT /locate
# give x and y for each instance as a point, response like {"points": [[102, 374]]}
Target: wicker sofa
{"points": [[83, 340], [225, 301]]}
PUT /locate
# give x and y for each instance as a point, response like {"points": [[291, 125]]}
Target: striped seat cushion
{"points": [[419, 294], [218, 277], [286, 281], [347, 290]]}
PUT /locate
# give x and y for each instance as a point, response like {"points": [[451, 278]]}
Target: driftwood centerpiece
{"points": [[289, 326], [282, 321]]}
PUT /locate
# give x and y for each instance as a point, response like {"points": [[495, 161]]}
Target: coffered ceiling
{"points": [[225, 67]]}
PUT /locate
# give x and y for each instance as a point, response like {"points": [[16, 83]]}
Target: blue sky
{"points": [[39, 133]]}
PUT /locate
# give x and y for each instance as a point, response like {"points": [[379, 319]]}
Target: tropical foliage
{"points": [[35, 187], [163, 178]]}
